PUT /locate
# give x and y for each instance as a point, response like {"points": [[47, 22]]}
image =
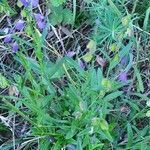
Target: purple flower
{"points": [[41, 24], [25, 3], [7, 39], [81, 64], [15, 47], [35, 3], [19, 25], [123, 77], [40, 21], [124, 60], [39, 17], [70, 54]]}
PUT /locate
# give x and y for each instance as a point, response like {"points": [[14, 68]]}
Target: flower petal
{"points": [[15, 47], [35, 3], [19, 25], [41, 25], [38, 17], [25, 3], [123, 77], [70, 54], [7, 39], [124, 60], [81, 64]]}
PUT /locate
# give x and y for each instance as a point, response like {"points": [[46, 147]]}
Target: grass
{"points": [[81, 82]]}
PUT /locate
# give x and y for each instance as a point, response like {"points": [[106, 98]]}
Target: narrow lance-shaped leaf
{"points": [[140, 82], [130, 135], [112, 96]]}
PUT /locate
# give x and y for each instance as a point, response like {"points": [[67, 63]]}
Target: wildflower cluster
{"points": [[19, 25]]}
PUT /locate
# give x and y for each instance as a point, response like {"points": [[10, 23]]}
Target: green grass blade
{"points": [[112, 96], [130, 135], [147, 19], [140, 82]]}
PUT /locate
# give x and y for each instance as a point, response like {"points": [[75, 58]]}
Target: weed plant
{"points": [[74, 75]]}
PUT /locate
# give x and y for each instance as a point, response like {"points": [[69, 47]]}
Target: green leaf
{"points": [[103, 124], [56, 17], [106, 135], [57, 3], [130, 63], [87, 57], [148, 103], [5, 8], [59, 15], [113, 6], [69, 134], [130, 135], [114, 47], [57, 145], [125, 51], [96, 146], [99, 77], [91, 46], [3, 82], [79, 144], [146, 20], [132, 104], [94, 83], [55, 68], [140, 82], [44, 144], [112, 96], [148, 113], [67, 16], [74, 64], [19, 4], [126, 20], [106, 83], [114, 62], [100, 123], [74, 10], [15, 109]]}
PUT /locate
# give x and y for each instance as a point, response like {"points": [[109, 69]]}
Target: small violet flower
{"points": [[41, 25], [19, 25], [81, 64], [15, 47], [25, 3], [39, 17], [35, 3], [7, 39], [40, 21], [123, 77], [70, 54], [124, 60]]}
